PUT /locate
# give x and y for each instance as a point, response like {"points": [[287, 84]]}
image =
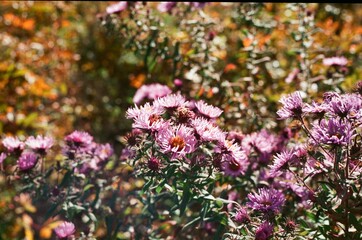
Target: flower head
{"points": [[267, 200], [178, 140], [103, 151], [13, 144], [151, 92], [27, 161], [347, 105], [232, 166], [166, 6], [207, 110], [292, 106], [148, 108], [282, 161], [154, 164], [117, 7], [79, 139], [242, 216], [171, 101], [333, 132], [207, 130], [40, 143], [65, 230], [335, 61], [264, 232]]}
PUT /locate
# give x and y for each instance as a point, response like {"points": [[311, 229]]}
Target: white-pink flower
{"points": [[207, 130], [208, 110], [339, 61], [13, 143], [117, 7], [39, 143]]}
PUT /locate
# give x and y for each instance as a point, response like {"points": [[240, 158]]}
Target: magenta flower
{"points": [[154, 164], [267, 200], [79, 139], [27, 161], [232, 166], [65, 229], [150, 122], [335, 61], [264, 232], [151, 92], [332, 131], [103, 151], [292, 106], [13, 144], [242, 216], [166, 6], [207, 110], [282, 161], [117, 7], [207, 131], [171, 101], [347, 105], [318, 109], [40, 143], [178, 82], [178, 140]]}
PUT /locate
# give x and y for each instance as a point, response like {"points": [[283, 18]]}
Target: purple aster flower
{"points": [[335, 61], [103, 151], [178, 140], [65, 230], [79, 139], [264, 232], [232, 166], [207, 110], [207, 131], [235, 136], [166, 6], [151, 92], [292, 106], [347, 105], [171, 101], [333, 132], [150, 122], [127, 153], [267, 200], [39, 144], [3, 156], [242, 216], [13, 144], [27, 161], [318, 109], [117, 7], [148, 108], [282, 161]]}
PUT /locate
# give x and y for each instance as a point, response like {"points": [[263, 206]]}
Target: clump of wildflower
{"points": [[151, 92], [27, 161], [267, 200], [13, 144], [65, 230], [264, 231], [292, 106], [335, 61], [333, 132], [39, 144]]}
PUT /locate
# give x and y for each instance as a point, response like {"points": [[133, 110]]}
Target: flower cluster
{"points": [[183, 130]]}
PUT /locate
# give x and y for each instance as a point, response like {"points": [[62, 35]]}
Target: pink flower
{"points": [[27, 161], [148, 108], [3, 156], [338, 61], [79, 139], [13, 144], [292, 106], [233, 166], [117, 7], [207, 131], [40, 143], [264, 232], [103, 151], [151, 92], [178, 140], [65, 229], [208, 110], [171, 101], [166, 6], [150, 122]]}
